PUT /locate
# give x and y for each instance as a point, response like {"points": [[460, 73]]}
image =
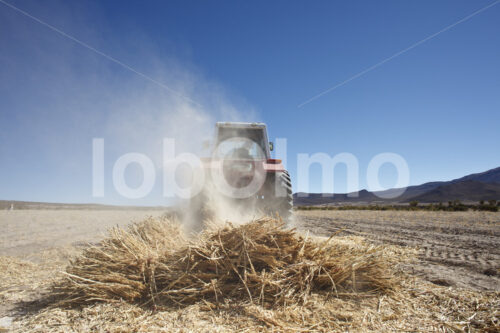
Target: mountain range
{"points": [[473, 187]]}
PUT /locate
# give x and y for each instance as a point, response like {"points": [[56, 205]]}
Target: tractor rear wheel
{"points": [[283, 201]]}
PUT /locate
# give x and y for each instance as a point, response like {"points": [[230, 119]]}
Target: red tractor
{"points": [[242, 174]]}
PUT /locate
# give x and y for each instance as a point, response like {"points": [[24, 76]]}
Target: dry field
{"points": [[444, 264], [455, 248], [25, 233]]}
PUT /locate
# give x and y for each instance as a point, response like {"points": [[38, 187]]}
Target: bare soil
{"points": [[25, 233], [455, 248], [35, 245]]}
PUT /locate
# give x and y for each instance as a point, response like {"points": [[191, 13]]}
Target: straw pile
{"points": [[121, 266], [151, 263], [226, 279]]}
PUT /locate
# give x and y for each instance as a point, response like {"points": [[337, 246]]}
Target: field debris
{"points": [[123, 266], [152, 263], [253, 277]]}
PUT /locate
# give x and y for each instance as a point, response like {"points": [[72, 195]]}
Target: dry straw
{"points": [[151, 278], [152, 263]]}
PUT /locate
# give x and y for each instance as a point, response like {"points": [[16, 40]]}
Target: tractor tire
{"points": [[284, 198]]}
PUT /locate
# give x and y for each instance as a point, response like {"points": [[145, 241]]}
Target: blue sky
{"points": [[437, 105]]}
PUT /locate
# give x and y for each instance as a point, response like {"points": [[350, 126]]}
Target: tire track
{"points": [[456, 248]]}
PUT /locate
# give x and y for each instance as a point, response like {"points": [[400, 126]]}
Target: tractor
{"points": [[241, 176]]}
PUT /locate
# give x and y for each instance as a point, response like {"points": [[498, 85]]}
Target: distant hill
{"points": [[473, 187], [490, 176], [464, 190]]}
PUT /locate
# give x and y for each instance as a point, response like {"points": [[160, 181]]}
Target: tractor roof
{"points": [[227, 124]]}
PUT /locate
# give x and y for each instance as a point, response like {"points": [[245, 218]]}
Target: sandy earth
{"points": [[460, 249], [36, 244], [27, 232], [456, 248]]}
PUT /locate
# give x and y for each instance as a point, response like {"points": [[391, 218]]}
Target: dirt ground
{"points": [[36, 244], [456, 248], [25, 233]]}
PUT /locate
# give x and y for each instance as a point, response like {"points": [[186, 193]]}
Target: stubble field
{"points": [[455, 248], [454, 274]]}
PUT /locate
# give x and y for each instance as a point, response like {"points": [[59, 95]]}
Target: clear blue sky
{"points": [[437, 105]]}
